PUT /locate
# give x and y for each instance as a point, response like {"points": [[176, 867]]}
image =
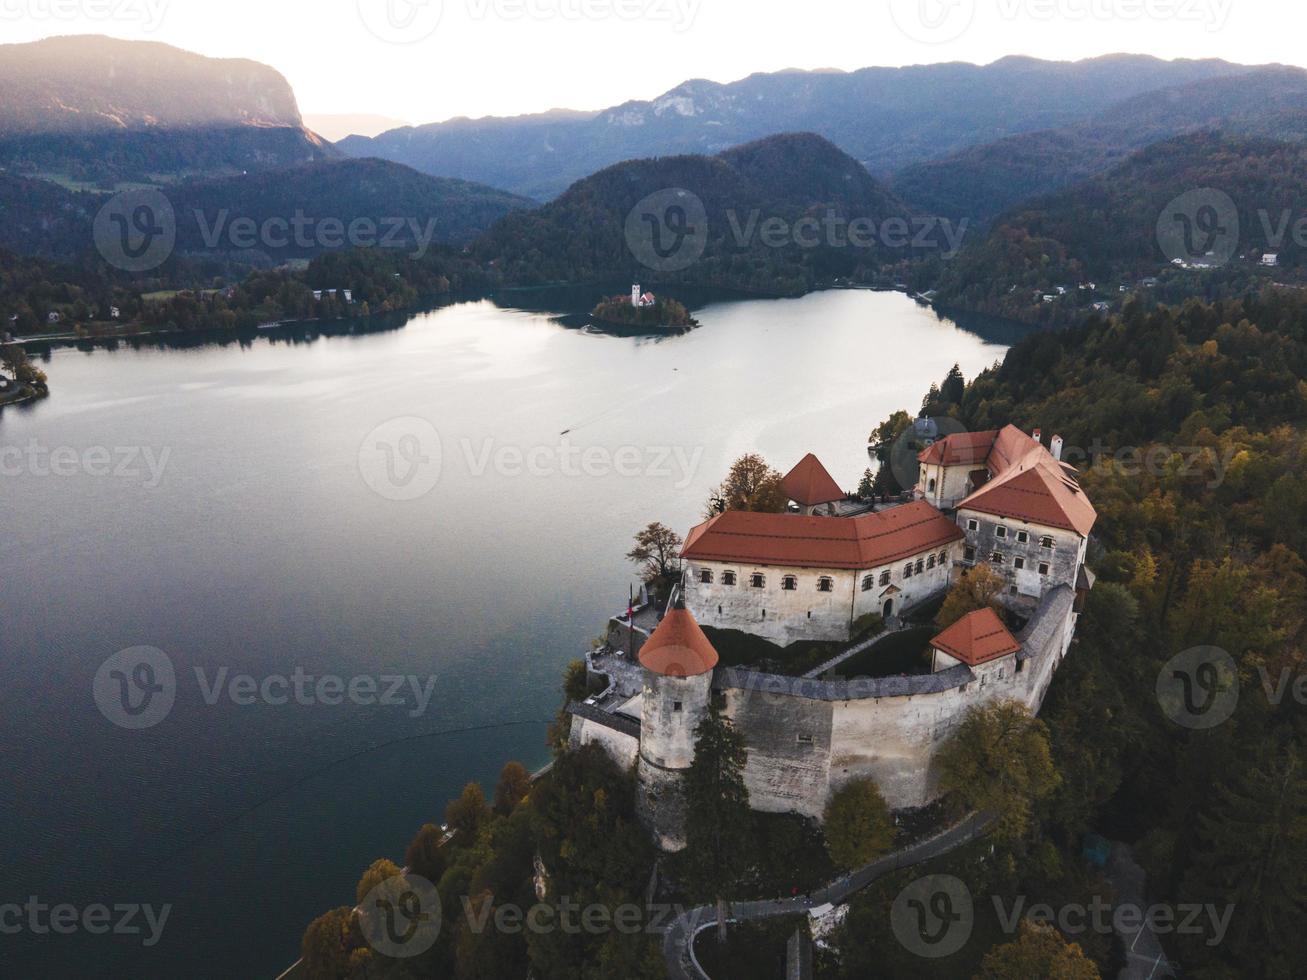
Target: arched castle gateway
{"points": [[997, 498]]}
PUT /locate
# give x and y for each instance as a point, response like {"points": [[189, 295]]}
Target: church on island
{"points": [[830, 569]]}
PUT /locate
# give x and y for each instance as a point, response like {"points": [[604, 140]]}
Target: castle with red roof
{"points": [[823, 571]]}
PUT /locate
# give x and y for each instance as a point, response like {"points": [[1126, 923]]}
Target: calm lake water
{"points": [[265, 545]]}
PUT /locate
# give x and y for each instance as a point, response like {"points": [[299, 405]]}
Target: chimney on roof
{"points": [[1056, 450], [1037, 435]]}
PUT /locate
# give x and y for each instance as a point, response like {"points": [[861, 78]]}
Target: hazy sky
{"points": [[426, 60]]}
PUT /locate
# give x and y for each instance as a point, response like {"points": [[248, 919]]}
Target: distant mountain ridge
{"points": [[887, 118], [97, 110], [981, 182]]}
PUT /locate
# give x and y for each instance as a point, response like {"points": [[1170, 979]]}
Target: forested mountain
{"points": [[983, 181], [887, 118], [588, 234], [405, 207], [97, 109], [1107, 229]]}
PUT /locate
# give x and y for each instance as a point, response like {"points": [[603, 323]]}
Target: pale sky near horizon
{"points": [[506, 57]]}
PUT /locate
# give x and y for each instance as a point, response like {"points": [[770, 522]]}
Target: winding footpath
{"points": [[678, 940]]}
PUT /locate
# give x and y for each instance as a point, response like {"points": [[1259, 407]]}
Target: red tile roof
{"points": [[976, 639], [960, 449], [678, 647], [809, 484], [1025, 482], [792, 540]]}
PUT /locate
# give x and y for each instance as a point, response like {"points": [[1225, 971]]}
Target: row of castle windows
{"points": [[790, 583], [998, 558], [1023, 537]]}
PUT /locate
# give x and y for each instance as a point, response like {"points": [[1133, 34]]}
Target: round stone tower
{"points": [[678, 662]]}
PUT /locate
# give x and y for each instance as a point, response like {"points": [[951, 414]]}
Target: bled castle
{"points": [[821, 572]]}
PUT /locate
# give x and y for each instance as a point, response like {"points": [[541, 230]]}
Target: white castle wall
{"points": [[806, 613]]}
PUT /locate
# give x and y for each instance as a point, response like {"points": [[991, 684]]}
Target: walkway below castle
{"points": [[678, 940], [892, 626]]}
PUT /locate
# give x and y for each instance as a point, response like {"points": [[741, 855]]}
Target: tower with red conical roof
{"points": [[678, 662]]}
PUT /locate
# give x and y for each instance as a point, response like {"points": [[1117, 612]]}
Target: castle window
{"points": [[930, 562], [1046, 543], [907, 572], [705, 576], [825, 584], [932, 486], [868, 583], [943, 558], [804, 739], [719, 610], [884, 578], [789, 583], [728, 578], [758, 580], [1000, 531], [996, 558], [973, 525], [921, 566], [677, 706], [1019, 563], [1020, 665], [1023, 537], [1043, 568], [969, 554]]}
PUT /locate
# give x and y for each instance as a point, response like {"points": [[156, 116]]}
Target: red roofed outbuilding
{"points": [[976, 639]]}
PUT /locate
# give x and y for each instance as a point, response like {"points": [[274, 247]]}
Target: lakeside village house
{"points": [[997, 498]]}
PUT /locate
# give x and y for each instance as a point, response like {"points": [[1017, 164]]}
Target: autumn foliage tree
{"points": [[514, 783], [998, 761], [1038, 951], [857, 824], [751, 485], [658, 553], [978, 589]]}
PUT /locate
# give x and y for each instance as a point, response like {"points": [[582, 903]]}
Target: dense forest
{"points": [[1108, 232]]}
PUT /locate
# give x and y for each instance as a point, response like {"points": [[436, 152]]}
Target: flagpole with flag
{"points": [[630, 622]]}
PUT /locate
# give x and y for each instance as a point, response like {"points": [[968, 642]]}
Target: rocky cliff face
{"points": [[96, 84]]}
